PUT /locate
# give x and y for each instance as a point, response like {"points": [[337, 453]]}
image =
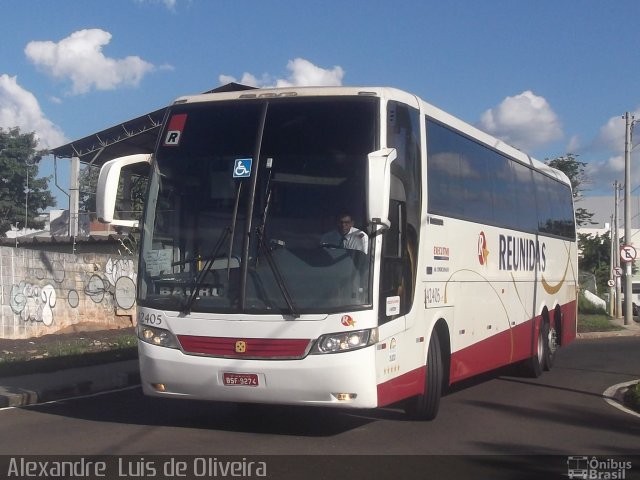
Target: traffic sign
{"points": [[611, 283], [627, 253], [617, 272]]}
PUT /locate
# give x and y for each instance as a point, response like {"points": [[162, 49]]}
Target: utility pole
{"points": [[628, 304], [616, 247], [74, 196], [612, 266]]}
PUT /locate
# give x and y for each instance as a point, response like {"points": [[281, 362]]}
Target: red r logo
{"points": [[483, 253]]}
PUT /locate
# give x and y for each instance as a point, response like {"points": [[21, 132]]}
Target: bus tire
{"points": [[533, 366], [425, 406], [551, 345]]}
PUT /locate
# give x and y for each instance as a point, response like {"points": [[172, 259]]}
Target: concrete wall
{"points": [[44, 292]]}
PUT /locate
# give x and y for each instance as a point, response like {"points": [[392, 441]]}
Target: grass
{"points": [[42, 356], [595, 322], [632, 397]]}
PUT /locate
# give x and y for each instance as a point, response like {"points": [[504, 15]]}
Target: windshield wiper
{"points": [[227, 232], [186, 308], [276, 273], [261, 230], [232, 231], [263, 248]]}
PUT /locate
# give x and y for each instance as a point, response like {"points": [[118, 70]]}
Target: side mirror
{"points": [[107, 190], [379, 185]]}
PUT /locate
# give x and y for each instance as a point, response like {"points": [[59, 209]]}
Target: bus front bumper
{"points": [[336, 380]]}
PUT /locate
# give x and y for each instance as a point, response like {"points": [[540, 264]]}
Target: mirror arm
{"points": [[379, 175]]}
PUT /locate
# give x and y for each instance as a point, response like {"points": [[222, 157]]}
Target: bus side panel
{"points": [[489, 353], [479, 357], [401, 357], [402, 387], [569, 322]]}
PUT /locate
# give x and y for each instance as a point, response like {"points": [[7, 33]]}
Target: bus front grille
{"points": [[253, 348]]}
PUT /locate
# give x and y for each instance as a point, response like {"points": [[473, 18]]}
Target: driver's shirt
{"points": [[354, 240]]}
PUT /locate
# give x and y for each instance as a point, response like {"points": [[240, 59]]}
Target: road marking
{"points": [[610, 397], [77, 397]]}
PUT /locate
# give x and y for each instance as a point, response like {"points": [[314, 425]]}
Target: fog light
{"points": [[159, 387], [343, 397]]}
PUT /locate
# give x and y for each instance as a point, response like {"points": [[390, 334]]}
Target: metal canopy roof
{"points": [[138, 135]]}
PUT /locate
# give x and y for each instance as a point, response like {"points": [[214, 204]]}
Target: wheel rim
{"points": [[552, 340], [540, 347]]}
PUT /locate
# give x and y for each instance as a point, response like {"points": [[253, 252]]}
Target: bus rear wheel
{"points": [[551, 345], [425, 406], [533, 366]]}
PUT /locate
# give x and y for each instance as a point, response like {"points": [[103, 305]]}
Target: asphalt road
{"points": [[561, 413]]}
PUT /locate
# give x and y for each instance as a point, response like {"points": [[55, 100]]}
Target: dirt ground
{"points": [[74, 341]]}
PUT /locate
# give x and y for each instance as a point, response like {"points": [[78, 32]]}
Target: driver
{"points": [[346, 236]]}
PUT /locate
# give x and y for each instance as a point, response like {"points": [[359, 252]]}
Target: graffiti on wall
{"points": [[118, 282], [33, 303], [112, 286]]}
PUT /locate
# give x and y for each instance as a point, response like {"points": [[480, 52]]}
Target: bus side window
{"points": [[396, 269]]}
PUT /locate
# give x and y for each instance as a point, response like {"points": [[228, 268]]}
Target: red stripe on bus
{"points": [[508, 346], [406, 385]]}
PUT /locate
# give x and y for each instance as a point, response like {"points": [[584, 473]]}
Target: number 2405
{"points": [[150, 318]]}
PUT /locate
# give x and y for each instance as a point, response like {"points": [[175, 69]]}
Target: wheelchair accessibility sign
{"points": [[242, 168]]}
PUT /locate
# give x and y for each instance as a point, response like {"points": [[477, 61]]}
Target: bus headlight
{"points": [[345, 341], [157, 336]]}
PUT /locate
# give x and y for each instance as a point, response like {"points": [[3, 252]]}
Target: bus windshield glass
{"points": [[249, 203]]}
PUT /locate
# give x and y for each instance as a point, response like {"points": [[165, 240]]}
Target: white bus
{"points": [[469, 260]]}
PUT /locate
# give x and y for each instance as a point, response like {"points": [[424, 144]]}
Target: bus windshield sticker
{"points": [[393, 306], [242, 168], [158, 262], [174, 130]]}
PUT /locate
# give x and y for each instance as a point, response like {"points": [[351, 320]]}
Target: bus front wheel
{"points": [[425, 406]]}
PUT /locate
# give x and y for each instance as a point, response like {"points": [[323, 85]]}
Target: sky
{"points": [[550, 77]]}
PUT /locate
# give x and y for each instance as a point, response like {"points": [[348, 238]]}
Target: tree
{"points": [[18, 168], [88, 179], [127, 206], [574, 169], [596, 257]]}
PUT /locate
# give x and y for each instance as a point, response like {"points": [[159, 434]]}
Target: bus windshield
{"points": [[245, 203]]}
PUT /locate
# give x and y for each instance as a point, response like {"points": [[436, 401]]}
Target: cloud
{"points": [[303, 74], [20, 108], [79, 58], [610, 142], [612, 133], [169, 4], [574, 144], [525, 121]]}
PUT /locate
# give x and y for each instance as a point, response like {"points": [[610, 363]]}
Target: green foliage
{"points": [[19, 166], [632, 397], [596, 257], [129, 206], [574, 169], [586, 307]]}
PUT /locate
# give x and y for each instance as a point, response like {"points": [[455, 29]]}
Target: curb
{"points": [[31, 389], [614, 397], [612, 333]]}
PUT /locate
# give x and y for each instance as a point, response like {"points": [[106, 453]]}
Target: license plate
{"points": [[240, 379]]}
